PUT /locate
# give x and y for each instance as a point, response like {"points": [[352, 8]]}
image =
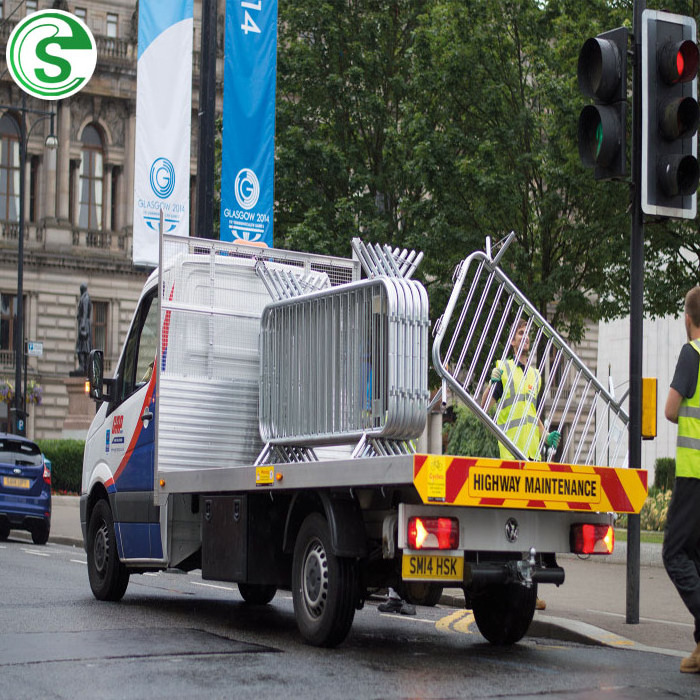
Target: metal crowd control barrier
{"points": [[346, 362], [478, 327], [378, 261]]}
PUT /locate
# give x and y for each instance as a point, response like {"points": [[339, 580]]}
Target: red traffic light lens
{"points": [[678, 61]]}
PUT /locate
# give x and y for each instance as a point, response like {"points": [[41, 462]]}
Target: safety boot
{"points": [[691, 664]]}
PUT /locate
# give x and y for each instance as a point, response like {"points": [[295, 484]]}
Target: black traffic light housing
{"points": [[602, 127], [670, 115]]}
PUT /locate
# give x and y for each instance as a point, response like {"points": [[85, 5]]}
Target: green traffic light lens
{"points": [[598, 140]]}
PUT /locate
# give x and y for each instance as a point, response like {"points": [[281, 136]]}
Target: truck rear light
{"points": [[592, 539], [433, 533]]}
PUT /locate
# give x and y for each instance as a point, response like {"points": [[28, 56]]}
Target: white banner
{"points": [[163, 124]]}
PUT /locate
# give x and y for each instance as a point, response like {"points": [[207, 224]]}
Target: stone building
{"points": [[78, 206]]}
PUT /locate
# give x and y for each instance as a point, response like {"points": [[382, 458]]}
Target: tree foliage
{"points": [[435, 123]]}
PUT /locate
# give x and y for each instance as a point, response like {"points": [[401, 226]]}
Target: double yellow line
{"points": [[459, 621]]}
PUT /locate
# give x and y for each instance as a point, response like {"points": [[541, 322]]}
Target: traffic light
{"points": [[602, 75], [670, 115]]}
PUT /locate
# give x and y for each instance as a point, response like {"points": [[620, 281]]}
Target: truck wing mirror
{"points": [[96, 376]]}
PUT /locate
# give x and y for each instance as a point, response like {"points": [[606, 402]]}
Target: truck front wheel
{"points": [[324, 586], [108, 576], [504, 612]]}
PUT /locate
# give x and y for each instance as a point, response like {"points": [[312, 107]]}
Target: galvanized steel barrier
{"points": [[346, 362], [478, 328]]}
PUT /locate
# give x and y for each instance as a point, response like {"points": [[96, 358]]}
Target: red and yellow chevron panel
{"points": [[496, 483]]}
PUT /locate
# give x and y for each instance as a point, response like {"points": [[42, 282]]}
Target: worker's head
{"points": [[692, 311], [521, 339]]}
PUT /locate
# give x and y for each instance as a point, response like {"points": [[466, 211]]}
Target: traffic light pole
{"points": [[636, 315]]}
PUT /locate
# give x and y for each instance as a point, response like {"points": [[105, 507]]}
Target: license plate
{"points": [[432, 567], [15, 482]]}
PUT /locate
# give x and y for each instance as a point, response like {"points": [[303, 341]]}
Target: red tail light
{"points": [[433, 533], [592, 539], [47, 475]]}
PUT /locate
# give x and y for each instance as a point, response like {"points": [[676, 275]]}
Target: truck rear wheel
{"points": [[503, 612], [324, 587], [257, 594], [108, 576]]}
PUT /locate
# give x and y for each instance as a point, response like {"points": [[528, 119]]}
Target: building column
{"points": [[127, 198], [64, 164], [48, 179]]}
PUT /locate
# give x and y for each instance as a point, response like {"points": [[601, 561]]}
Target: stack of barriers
{"points": [[348, 363]]}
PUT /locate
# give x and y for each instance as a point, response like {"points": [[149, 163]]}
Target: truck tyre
{"points": [[40, 533], [421, 592], [108, 576], [324, 586], [257, 594], [503, 612]]}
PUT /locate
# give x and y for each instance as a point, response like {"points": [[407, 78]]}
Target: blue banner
{"points": [[248, 142]]}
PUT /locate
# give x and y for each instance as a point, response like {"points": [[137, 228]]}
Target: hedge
{"points": [[66, 463], [664, 473]]}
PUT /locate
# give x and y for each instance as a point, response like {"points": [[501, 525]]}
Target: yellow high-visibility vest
{"points": [[517, 415], [688, 441]]}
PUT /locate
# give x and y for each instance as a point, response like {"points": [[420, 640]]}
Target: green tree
{"points": [[343, 73]]}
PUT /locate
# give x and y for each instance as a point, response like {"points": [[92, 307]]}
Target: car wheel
{"points": [[324, 586], [108, 576], [40, 532], [503, 612], [4, 531], [257, 594]]}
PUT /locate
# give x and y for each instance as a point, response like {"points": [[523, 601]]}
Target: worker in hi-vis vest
{"points": [[681, 548], [519, 388]]}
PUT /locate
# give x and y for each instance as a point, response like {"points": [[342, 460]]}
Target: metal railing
{"points": [[478, 328], [346, 362]]}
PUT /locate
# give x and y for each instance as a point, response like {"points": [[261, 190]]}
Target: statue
{"points": [[83, 342]]}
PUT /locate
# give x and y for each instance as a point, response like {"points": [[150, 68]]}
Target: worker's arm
{"points": [[673, 404], [486, 402]]}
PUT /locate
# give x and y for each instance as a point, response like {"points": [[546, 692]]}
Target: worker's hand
{"points": [[496, 375], [552, 440]]}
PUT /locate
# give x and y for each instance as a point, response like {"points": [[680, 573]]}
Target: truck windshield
{"points": [[22, 453]]}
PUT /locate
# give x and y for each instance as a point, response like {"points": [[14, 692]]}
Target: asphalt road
{"points": [[176, 636]]}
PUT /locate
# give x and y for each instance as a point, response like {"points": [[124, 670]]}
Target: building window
{"points": [[9, 169], [2, 9], [99, 325], [80, 13], [33, 214], [8, 317], [112, 25], [30, 6], [114, 216], [91, 180]]}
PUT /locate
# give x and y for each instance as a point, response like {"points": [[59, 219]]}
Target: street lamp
{"points": [[20, 425]]}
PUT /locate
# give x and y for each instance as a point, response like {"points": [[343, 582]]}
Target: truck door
{"points": [[130, 439]]}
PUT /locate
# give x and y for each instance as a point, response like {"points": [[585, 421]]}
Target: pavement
{"points": [[591, 607]]}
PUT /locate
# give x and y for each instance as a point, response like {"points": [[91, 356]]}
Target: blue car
{"points": [[25, 488]]}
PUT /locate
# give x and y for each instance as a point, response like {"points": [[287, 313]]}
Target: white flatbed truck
{"points": [[260, 426]]}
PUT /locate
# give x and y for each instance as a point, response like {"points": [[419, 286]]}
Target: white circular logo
{"points": [[246, 188], [51, 54]]}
